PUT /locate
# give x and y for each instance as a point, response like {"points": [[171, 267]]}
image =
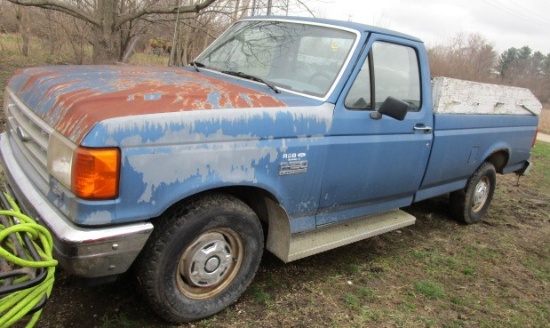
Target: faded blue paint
{"points": [[187, 127], [152, 96], [489, 133], [173, 156]]}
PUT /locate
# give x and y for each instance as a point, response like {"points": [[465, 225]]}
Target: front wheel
{"points": [[471, 204], [200, 258]]}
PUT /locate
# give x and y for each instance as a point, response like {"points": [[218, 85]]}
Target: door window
{"points": [[395, 74]]}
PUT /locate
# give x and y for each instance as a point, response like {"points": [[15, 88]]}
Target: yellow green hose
{"points": [[16, 305]]}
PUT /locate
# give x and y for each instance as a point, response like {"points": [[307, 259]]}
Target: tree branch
{"points": [[303, 4], [162, 10], [58, 6]]}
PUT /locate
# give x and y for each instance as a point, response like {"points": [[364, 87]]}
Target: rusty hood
{"points": [[72, 99]]}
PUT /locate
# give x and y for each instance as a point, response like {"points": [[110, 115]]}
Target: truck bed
{"points": [[472, 122]]}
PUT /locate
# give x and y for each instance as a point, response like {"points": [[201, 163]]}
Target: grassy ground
{"points": [[437, 273], [544, 124]]}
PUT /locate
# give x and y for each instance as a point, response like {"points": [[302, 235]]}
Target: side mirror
{"points": [[392, 107]]}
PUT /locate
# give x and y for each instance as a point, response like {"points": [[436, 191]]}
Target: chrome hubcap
{"points": [[209, 260], [481, 193], [210, 263]]}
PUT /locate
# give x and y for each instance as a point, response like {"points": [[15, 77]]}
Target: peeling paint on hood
{"points": [[73, 99]]}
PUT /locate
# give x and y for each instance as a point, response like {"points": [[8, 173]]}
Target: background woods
{"points": [[114, 29], [176, 31], [472, 57]]}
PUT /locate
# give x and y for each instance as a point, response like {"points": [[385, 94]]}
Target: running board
{"points": [[335, 235]]}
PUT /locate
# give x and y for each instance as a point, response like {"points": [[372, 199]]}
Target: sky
{"points": [[503, 23]]}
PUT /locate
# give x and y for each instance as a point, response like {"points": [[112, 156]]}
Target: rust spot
{"points": [[35, 79], [117, 91]]}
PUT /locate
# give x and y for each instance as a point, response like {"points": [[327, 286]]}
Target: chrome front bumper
{"points": [[83, 251]]}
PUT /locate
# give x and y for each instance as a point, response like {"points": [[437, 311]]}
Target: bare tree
{"points": [[279, 7], [465, 56], [23, 28], [194, 31], [1, 20], [114, 22], [241, 9]]}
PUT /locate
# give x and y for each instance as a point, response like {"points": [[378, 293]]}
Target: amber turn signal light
{"points": [[96, 173]]}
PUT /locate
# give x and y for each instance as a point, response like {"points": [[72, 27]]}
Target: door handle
{"points": [[424, 128]]}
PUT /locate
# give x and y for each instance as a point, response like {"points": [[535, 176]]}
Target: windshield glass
{"points": [[299, 57]]}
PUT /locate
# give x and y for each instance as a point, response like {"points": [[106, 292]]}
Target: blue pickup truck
{"points": [[290, 134]]}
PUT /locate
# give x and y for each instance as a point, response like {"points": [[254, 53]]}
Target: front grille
{"points": [[30, 133]]}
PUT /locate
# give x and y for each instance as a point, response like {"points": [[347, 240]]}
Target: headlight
{"points": [[60, 159], [90, 173]]}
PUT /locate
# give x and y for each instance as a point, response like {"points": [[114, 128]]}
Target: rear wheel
{"points": [[471, 204], [200, 258]]}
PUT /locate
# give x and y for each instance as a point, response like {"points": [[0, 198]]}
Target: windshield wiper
{"points": [[196, 65], [252, 78]]}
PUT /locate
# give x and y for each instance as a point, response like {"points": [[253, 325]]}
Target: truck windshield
{"points": [[293, 56]]}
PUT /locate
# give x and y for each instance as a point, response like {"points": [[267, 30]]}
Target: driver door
{"points": [[377, 164]]}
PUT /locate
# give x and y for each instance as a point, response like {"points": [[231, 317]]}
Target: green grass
{"points": [[539, 267], [429, 289], [116, 321], [260, 296], [147, 59], [352, 301], [468, 271], [352, 268], [542, 150], [544, 120], [367, 292], [541, 161]]}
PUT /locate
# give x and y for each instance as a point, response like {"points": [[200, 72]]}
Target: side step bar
{"points": [[332, 236]]}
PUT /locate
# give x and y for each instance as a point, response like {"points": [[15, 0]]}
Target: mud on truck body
{"points": [[291, 134]]}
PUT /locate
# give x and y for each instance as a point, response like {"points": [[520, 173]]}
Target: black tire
{"points": [[470, 204], [200, 258]]}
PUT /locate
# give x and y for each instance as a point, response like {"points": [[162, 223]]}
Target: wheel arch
{"points": [[499, 158], [272, 215]]}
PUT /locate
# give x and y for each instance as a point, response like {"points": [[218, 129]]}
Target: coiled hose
{"points": [[27, 266]]}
